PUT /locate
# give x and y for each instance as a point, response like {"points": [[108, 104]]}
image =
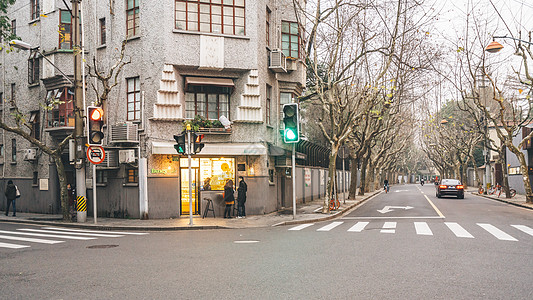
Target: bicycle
{"points": [[334, 203], [481, 190], [386, 188], [512, 192]]}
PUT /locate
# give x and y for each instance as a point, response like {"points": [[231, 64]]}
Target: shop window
{"points": [[290, 43], [65, 29], [210, 102], [132, 175], [134, 99], [214, 172], [226, 17], [61, 104], [132, 18]]}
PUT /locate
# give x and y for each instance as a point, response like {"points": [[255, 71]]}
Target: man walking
{"points": [[11, 195], [241, 198]]}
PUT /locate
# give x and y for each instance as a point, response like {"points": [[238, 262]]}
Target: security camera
{"points": [[227, 123]]}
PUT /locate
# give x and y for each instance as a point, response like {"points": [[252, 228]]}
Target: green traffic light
{"points": [[290, 135]]}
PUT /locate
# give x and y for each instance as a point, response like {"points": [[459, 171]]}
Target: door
{"points": [[185, 191]]}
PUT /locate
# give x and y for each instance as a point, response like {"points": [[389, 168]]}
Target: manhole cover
{"points": [[102, 246]]}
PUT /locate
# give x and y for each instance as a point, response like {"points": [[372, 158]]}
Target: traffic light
{"points": [[291, 133], [95, 125], [181, 143], [197, 142]]}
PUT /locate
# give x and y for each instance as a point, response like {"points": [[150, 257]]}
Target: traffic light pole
{"points": [[189, 148], [293, 180]]}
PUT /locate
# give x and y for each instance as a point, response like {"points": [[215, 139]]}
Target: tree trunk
{"points": [[523, 170], [331, 178], [62, 176], [362, 185], [353, 184]]}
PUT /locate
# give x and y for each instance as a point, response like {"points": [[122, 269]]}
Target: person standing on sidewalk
{"points": [[229, 198], [11, 195], [241, 198]]}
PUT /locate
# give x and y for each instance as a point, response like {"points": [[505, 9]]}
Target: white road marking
{"points": [[245, 242], [70, 233], [524, 229], [360, 226], [499, 234], [422, 228], [12, 246], [96, 231], [330, 226], [300, 227], [381, 218], [50, 235], [17, 238], [458, 230], [389, 227]]}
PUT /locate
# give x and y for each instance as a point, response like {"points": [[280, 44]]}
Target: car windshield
{"points": [[451, 182]]}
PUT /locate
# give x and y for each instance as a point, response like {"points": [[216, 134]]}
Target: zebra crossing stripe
{"points": [[524, 229], [389, 227], [96, 231], [17, 238], [49, 235], [422, 228], [458, 230], [12, 246], [300, 227], [330, 226], [360, 226], [499, 234], [69, 233]]}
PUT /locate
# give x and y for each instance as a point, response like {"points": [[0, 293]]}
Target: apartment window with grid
{"points": [[14, 27], [35, 121], [13, 89], [210, 102], [290, 43], [62, 112], [34, 9], [268, 104], [216, 16], [65, 29], [132, 175], [132, 18], [33, 68], [134, 99], [102, 32], [268, 13], [14, 150]]}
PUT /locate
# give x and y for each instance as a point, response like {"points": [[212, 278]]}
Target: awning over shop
{"points": [[214, 149], [275, 150], [223, 82]]}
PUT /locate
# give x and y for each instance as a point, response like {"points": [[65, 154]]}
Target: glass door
{"points": [[185, 191]]}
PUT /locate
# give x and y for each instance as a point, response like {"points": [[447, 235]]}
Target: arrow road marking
{"points": [[387, 209]]}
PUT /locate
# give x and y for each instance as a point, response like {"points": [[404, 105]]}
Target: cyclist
{"points": [[422, 181], [386, 186]]}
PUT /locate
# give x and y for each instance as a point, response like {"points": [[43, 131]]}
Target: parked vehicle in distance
{"points": [[452, 187]]}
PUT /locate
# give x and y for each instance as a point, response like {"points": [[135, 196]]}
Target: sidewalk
{"points": [[518, 200], [305, 213]]}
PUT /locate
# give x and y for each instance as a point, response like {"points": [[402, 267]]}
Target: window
{"points": [[132, 175], [62, 111], [210, 102], [268, 13], [102, 31], [101, 177], [216, 16], [271, 176], [14, 150], [13, 87], [1, 150], [33, 68], [65, 30], [132, 18], [14, 27], [268, 104], [34, 9], [290, 39], [35, 121], [35, 180], [134, 99]]}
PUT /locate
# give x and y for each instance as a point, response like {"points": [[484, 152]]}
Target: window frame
{"points": [[288, 52], [63, 113], [34, 68], [268, 105], [65, 36], [132, 31], [13, 89], [35, 9], [13, 150], [103, 38], [185, 16], [35, 121], [268, 16], [14, 27], [206, 91], [136, 99], [131, 175]]}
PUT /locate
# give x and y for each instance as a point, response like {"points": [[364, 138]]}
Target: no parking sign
{"points": [[95, 154]]}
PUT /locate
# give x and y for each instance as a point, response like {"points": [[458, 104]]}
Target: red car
{"points": [[450, 187]]}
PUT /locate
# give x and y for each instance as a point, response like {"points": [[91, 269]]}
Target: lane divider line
{"points": [[434, 207]]}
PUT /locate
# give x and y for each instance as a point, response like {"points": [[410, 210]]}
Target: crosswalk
{"points": [[24, 237], [423, 228]]}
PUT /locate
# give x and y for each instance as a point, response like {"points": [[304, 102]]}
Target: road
{"points": [[473, 248]]}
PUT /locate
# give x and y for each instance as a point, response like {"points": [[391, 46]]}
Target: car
{"points": [[452, 187]]}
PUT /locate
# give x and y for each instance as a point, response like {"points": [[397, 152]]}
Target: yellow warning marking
{"points": [[434, 207], [82, 204]]}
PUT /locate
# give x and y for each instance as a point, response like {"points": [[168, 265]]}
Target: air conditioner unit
{"points": [[278, 62], [126, 156], [124, 133], [110, 160], [29, 154]]}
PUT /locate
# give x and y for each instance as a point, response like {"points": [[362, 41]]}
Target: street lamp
{"points": [[494, 46]]}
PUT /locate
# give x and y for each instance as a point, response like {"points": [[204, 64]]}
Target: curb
{"points": [[503, 200]]}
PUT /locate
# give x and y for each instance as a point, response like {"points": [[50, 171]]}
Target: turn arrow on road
{"points": [[387, 209]]}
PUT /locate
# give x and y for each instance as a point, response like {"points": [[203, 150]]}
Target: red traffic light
{"points": [[96, 114]]}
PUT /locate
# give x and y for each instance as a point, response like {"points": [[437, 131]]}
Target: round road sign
{"points": [[95, 154]]}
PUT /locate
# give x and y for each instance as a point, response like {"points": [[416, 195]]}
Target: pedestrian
{"points": [[229, 198], [386, 185], [11, 196], [241, 198]]}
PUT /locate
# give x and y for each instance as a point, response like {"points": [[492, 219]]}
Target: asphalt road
{"points": [[398, 253]]}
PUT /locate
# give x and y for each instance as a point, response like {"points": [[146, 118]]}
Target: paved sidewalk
{"points": [[518, 200], [305, 213]]}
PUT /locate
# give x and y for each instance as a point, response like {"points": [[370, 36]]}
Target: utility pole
{"points": [[78, 108]]}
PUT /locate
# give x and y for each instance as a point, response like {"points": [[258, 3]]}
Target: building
{"points": [[234, 59]]}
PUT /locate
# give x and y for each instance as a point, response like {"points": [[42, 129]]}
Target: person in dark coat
{"points": [[229, 198], [11, 195], [241, 198]]}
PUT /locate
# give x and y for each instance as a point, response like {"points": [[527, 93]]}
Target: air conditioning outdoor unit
{"points": [[124, 133], [29, 154], [278, 62], [110, 160], [126, 156]]}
